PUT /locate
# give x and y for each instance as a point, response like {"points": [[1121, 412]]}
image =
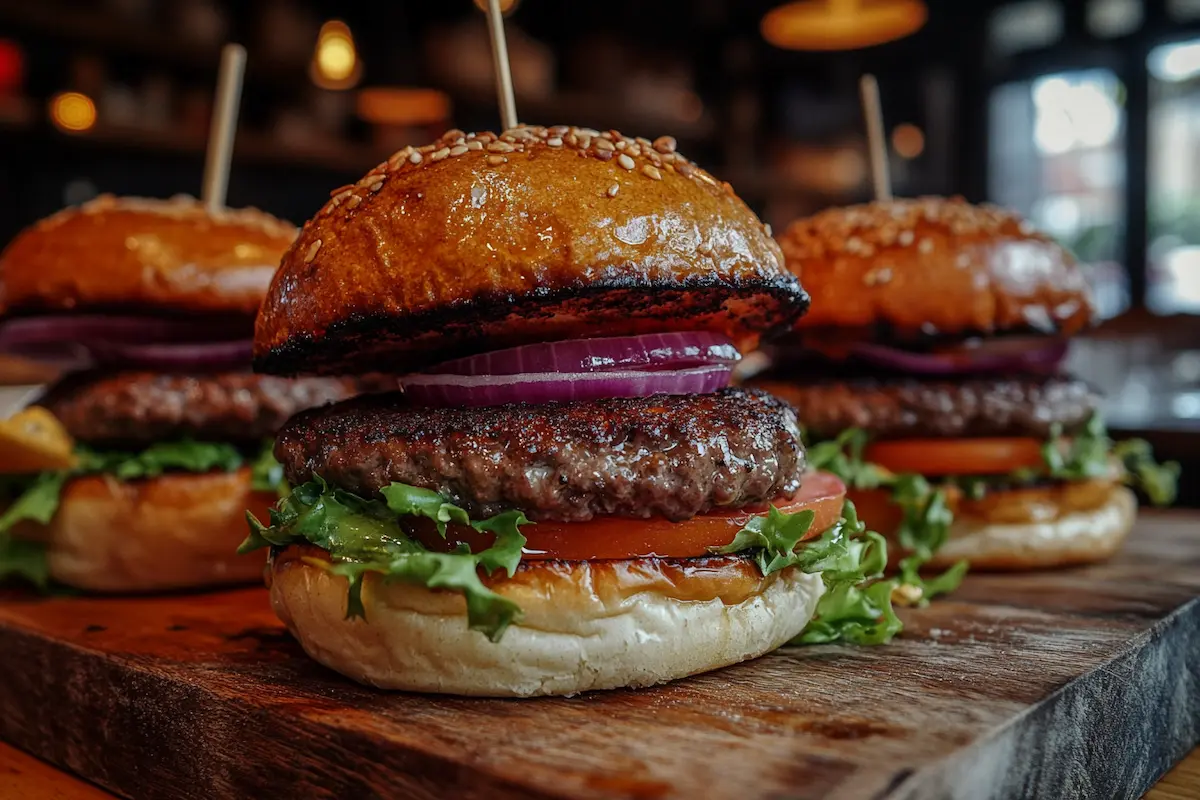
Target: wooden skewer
{"points": [[869, 90], [224, 126], [504, 87]]}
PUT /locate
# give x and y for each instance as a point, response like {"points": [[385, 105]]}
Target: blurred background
{"points": [[1083, 115]]}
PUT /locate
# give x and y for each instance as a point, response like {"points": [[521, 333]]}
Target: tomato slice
{"points": [[624, 538], [956, 456]]}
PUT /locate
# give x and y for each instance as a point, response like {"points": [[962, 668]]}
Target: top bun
{"points": [[935, 266], [140, 254], [479, 241]]}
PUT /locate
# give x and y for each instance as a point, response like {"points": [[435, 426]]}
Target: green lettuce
{"points": [[35, 498], [364, 536], [855, 607], [368, 535], [1090, 455], [266, 474], [925, 525]]}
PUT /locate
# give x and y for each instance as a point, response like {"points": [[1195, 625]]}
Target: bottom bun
{"points": [[1079, 536], [175, 531], [587, 625]]}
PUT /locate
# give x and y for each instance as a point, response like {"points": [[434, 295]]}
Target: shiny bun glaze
{"points": [[143, 254], [587, 624], [479, 241], [175, 531], [933, 266]]}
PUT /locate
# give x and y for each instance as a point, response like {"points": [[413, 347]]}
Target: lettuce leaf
{"points": [[266, 474], [364, 536], [367, 535], [1090, 454], [36, 498], [856, 607], [925, 525]]}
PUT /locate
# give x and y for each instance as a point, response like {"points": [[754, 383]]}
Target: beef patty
{"points": [[668, 456], [140, 408], [908, 408]]}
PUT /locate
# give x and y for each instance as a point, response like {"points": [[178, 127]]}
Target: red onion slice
{"points": [[85, 340], [656, 351], [556, 387], [204, 356], [84, 328], [1045, 357]]}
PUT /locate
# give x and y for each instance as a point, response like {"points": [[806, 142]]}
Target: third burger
{"points": [[929, 377]]}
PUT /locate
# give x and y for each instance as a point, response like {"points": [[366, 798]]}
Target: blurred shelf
{"points": [[251, 147], [108, 32]]}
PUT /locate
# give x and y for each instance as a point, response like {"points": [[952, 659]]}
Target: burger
{"points": [[564, 494], [165, 428], [929, 377]]}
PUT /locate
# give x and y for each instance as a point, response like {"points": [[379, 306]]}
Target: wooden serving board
{"points": [[1079, 683]]}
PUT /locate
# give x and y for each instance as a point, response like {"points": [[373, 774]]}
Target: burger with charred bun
{"points": [[152, 304], [930, 380], [564, 495]]}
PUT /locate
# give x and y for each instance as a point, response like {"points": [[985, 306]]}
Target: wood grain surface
{"points": [[1075, 683]]}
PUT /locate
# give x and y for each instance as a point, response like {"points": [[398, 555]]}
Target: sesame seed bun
{"points": [[477, 242], [587, 625], [145, 255], [934, 266], [176, 531]]}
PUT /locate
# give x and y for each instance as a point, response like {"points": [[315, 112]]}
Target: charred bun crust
{"points": [[934, 266], [144, 254], [481, 242]]}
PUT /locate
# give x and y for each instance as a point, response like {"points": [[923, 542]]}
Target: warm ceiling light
{"points": [[335, 63], [505, 5], [72, 111], [908, 141], [841, 24], [387, 105]]}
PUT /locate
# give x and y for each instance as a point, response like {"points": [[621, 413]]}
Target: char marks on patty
{"points": [[141, 408], [666, 455], [910, 408]]}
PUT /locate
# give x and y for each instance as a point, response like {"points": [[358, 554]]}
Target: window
{"points": [[1026, 25], [1173, 180], [1111, 18], [1056, 156]]}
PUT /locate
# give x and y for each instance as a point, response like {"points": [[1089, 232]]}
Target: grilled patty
{"points": [[134, 409], [667, 456], [907, 408]]}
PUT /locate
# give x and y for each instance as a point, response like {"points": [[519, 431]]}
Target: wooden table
{"points": [[204, 693]]}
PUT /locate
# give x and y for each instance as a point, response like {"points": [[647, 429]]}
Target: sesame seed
{"points": [[312, 251], [633, 150], [926, 246], [612, 190], [767, 229], [905, 238], [585, 142], [452, 134], [438, 155], [665, 144], [603, 155], [415, 158], [458, 150], [652, 172], [375, 187], [499, 147], [354, 201], [496, 160], [474, 144], [603, 144], [621, 145], [625, 161], [554, 141], [963, 261], [559, 130]]}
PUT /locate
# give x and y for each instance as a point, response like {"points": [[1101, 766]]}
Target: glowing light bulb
{"points": [[335, 63], [72, 111], [908, 141]]}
